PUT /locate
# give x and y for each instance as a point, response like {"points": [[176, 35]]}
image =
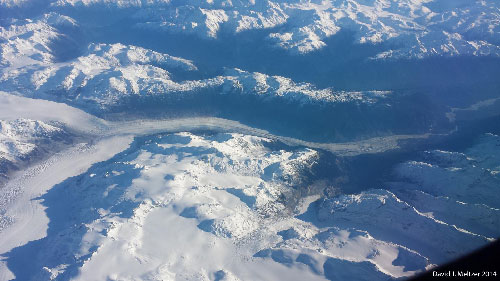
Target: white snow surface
{"points": [[460, 189], [13, 3], [107, 74], [181, 205], [27, 42], [154, 200], [18, 138], [23, 141], [414, 28], [471, 177], [184, 206]]}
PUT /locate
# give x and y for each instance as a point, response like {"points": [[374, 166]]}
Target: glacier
{"points": [[246, 139]]}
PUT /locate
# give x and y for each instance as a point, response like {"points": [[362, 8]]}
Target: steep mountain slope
{"points": [[23, 140], [413, 28], [104, 78], [209, 140], [105, 74], [243, 204]]}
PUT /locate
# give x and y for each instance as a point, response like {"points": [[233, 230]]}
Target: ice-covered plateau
{"points": [[412, 28], [228, 206]]}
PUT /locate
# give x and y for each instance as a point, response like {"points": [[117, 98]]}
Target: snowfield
{"points": [[238, 198], [208, 140], [229, 195]]}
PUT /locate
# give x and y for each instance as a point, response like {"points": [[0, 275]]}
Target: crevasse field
{"points": [[246, 139]]}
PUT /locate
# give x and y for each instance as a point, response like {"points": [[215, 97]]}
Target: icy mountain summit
{"points": [[246, 139], [412, 28]]}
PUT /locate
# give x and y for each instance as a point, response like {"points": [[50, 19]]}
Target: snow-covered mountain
{"points": [[101, 78], [191, 140], [475, 173], [29, 42], [411, 28], [106, 74], [17, 137], [23, 140], [160, 208]]}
